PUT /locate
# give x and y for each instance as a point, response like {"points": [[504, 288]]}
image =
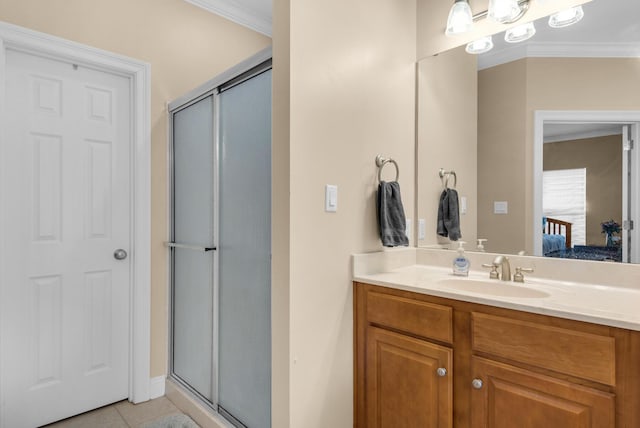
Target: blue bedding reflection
{"points": [[551, 243], [588, 252]]}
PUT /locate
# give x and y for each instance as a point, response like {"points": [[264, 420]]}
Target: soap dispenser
{"points": [[461, 263]]}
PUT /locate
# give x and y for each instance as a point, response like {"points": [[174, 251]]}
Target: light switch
{"points": [[422, 233], [500, 207], [331, 198], [463, 205]]}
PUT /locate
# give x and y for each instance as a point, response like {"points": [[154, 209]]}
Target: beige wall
{"points": [[351, 96], [185, 46], [432, 21], [602, 157], [280, 218], [502, 155], [537, 84], [447, 135]]}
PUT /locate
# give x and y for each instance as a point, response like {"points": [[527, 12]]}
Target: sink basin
{"points": [[493, 288]]}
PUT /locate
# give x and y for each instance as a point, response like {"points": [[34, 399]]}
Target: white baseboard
{"points": [[156, 387]]}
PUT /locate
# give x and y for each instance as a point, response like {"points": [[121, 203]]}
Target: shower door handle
{"points": [[190, 247]]}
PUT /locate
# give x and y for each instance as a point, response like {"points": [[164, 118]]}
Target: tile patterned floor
{"points": [[121, 415]]}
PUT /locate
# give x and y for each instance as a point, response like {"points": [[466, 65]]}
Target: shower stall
{"points": [[220, 243]]}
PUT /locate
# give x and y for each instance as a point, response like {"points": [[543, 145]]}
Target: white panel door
{"points": [[65, 199]]}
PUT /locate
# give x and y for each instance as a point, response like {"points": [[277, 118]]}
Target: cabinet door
{"points": [[511, 397], [403, 386]]}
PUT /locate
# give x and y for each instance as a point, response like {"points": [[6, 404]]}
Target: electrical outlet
{"points": [[500, 207]]}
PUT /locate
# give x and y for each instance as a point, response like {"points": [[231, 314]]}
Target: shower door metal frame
{"points": [[173, 244], [243, 71]]}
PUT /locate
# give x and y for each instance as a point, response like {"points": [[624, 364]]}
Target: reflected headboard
{"points": [[558, 227]]}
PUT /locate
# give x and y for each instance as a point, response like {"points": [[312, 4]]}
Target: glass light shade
{"points": [[566, 17], [480, 46], [520, 33], [503, 11], [460, 18]]}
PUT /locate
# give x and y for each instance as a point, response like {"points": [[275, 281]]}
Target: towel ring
{"points": [[381, 162], [445, 175]]}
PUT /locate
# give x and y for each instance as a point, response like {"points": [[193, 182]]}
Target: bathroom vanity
{"points": [[432, 350]]}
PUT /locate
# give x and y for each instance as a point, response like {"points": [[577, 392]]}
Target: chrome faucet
{"points": [[503, 261]]}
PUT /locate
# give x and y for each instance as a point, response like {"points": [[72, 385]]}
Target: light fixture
{"points": [[480, 46], [566, 17], [520, 33], [504, 11], [460, 18]]}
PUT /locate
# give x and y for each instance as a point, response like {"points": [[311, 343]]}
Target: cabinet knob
{"points": [[442, 372], [477, 383]]}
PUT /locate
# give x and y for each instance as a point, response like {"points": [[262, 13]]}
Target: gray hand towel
{"points": [[448, 215], [391, 220]]}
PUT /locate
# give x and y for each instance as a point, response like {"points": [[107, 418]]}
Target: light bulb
{"points": [[566, 17], [503, 11], [460, 18], [480, 46], [520, 33]]}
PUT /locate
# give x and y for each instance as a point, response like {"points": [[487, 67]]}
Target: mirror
{"points": [[486, 117]]}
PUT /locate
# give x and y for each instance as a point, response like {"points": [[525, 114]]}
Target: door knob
{"points": [[119, 254]]}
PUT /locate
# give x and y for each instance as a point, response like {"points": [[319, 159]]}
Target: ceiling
{"points": [[554, 132], [610, 28], [254, 14]]}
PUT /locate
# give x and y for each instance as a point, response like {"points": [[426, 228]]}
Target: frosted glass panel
{"points": [[193, 312], [245, 245], [193, 173], [193, 320]]}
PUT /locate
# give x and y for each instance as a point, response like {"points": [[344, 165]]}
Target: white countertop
{"points": [[606, 304]]}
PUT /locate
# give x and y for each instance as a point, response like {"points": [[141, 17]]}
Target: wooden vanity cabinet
{"points": [[404, 362], [512, 368], [512, 397], [403, 386]]}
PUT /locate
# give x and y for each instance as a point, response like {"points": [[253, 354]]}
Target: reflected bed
{"points": [[556, 235], [556, 242]]}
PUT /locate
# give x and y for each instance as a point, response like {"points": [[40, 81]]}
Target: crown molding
{"points": [[502, 56], [559, 50], [238, 13]]}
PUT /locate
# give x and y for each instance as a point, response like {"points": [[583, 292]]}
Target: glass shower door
{"points": [[221, 247], [192, 248], [245, 252]]}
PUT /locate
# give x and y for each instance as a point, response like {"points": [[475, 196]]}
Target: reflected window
{"points": [[564, 197]]}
